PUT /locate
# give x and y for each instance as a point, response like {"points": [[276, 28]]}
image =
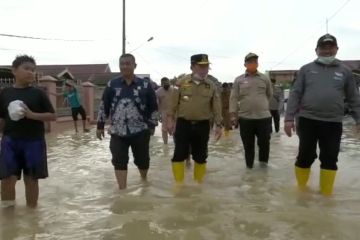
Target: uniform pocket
{"points": [[338, 83], [186, 92], [244, 90], [207, 93], [261, 89]]}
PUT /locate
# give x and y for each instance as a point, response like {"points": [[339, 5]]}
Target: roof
{"points": [[352, 64], [6, 73], [79, 71], [281, 71], [101, 79]]}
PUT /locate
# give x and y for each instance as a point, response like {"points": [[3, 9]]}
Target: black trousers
{"points": [[194, 136], [259, 128], [327, 135], [78, 110], [276, 119], [139, 143]]}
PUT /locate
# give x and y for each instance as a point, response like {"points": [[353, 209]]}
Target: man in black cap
{"points": [[249, 103], [194, 103], [317, 97]]}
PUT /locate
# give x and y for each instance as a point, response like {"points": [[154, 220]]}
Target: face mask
{"points": [[251, 67], [197, 77], [166, 87], [326, 60]]}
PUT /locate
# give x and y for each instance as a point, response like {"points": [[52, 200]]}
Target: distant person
{"points": [[130, 103], [225, 99], [153, 84], [276, 103], [164, 94], [319, 90], [249, 105], [73, 98], [23, 111]]}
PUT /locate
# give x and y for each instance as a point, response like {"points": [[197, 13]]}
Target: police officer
{"points": [[194, 103], [249, 101]]}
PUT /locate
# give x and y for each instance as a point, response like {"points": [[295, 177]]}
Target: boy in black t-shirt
{"points": [[23, 147]]}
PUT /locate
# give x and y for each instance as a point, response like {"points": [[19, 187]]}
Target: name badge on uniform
{"points": [[117, 91], [186, 98], [338, 76]]}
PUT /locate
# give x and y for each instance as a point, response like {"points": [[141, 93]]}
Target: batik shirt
{"points": [[131, 108]]}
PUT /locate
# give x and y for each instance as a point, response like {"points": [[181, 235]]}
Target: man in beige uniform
{"points": [[249, 102], [163, 95], [195, 102]]}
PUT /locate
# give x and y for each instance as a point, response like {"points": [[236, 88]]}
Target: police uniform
{"points": [[194, 103], [250, 100]]}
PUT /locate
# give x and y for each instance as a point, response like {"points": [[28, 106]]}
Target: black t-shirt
{"points": [[36, 100]]}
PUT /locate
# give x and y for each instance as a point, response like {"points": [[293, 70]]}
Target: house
{"points": [[285, 77], [77, 72], [6, 77], [101, 79]]}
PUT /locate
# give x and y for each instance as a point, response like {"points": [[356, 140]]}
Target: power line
{"points": [[46, 39], [150, 65], [321, 26], [339, 10]]}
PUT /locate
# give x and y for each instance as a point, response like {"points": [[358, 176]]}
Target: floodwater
{"points": [[80, 200]]}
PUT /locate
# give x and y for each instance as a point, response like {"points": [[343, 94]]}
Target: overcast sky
{"points": [[282, 32]]}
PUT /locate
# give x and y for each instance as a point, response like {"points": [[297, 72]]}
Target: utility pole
{"points": [[327, 25], [123, 33]]}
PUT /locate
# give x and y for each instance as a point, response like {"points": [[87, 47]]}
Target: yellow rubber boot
{"points": [[199, 172], [178, 169], [302, 176], [327, 178]]}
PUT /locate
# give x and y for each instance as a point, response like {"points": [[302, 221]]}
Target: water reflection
{"points": [[80, 200]]}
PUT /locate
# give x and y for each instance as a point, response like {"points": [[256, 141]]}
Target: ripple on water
{"points": [[80, 200]]}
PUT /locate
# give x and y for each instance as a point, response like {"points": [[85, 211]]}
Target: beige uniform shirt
{"points": [[250, 96], [193, 101], [164, 99]]}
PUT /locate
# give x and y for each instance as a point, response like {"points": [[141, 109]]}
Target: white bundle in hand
{"points": [[16, 110]]}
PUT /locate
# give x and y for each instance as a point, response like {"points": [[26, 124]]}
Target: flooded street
{"points": [[80, 199]]}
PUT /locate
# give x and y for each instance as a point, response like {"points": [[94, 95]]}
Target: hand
{"points": [[217, 133], [289, 128], [233, 119], [152, 131], [27, 112], [357, 126], [100, 134], [170, 125]]}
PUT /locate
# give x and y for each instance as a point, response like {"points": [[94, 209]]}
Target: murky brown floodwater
{"points": [[80, 200]]}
